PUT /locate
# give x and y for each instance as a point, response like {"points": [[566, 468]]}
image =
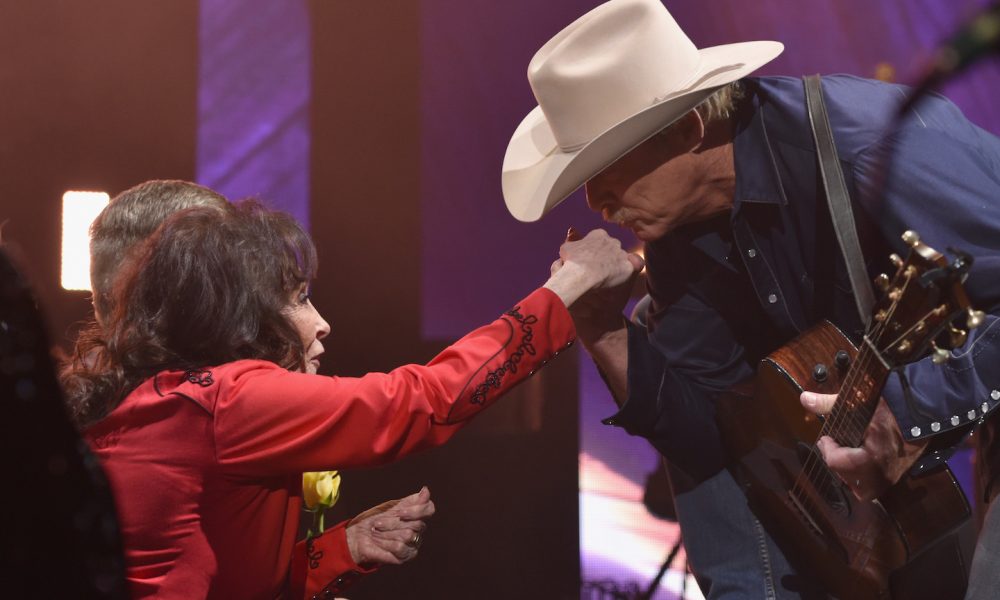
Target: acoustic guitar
{"points": [[914, 541]]}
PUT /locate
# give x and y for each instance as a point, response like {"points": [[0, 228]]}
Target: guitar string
{"points": [[856, 423], [845, 424], [843, 420], [840, 414], [859, 422], [853, 422], [812, 465]]}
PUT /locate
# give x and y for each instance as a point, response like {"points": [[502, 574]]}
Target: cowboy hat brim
{"points": [[537, 175]]}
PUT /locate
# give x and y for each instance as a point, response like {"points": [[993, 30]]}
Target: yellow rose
{"points": [[320, 489]]}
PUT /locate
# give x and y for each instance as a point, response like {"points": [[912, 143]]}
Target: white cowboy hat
{"points": [[605, 84]]}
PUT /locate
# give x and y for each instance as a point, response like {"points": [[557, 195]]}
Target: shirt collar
{"points": [[757, 179]]}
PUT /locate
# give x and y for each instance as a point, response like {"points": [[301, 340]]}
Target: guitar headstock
{"points": [[925, 309]]}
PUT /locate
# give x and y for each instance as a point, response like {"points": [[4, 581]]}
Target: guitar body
{"points": [[912, 543]]}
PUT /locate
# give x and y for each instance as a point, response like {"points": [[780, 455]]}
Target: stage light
{"points": [[885, 71], [79, 211]]}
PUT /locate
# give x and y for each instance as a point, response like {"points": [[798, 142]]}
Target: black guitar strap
{"points": [[837, 197]]}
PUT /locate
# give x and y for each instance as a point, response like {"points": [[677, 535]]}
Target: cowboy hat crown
{"points": [[606, 83]]}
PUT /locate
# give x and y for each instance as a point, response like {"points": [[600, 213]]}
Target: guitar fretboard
{"points": [[858, 399]]}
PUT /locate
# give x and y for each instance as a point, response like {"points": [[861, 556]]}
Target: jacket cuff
{"points": [[950, 408], [322, 567]]}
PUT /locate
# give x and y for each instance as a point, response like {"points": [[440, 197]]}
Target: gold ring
{"points": [[415, 542]]}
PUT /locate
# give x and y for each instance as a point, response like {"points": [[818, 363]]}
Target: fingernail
{"points": [[808, 399]]}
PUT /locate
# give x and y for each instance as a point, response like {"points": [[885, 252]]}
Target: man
{"points": [[385, 534], [716, 173]]}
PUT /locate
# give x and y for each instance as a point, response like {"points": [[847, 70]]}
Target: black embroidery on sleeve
{"points": [[495, 377], [201, 377], [312, 554]]}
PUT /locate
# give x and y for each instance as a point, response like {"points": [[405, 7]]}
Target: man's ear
{"points": [[691, 130]]}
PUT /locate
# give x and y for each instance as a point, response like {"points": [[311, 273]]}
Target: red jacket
{"points": [[206, 465]]}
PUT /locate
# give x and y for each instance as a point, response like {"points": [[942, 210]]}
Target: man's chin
{"points": [[642, 234], [646, 232]]}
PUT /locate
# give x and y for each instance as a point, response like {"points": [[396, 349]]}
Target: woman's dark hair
{"points": [[207, 288]]}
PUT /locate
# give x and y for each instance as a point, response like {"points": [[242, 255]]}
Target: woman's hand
{"points": [[390, 533], [594, 262]]}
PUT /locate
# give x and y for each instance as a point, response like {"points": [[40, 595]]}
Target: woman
{"points": [[328, 562], [202, 401]]}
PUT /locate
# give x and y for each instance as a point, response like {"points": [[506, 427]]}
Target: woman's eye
{"points": [[303, 297]]}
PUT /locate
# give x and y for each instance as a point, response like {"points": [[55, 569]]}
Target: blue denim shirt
{"points": [[728, 291]]}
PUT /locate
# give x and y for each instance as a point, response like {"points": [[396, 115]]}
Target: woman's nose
{"points": [[322, 328]]}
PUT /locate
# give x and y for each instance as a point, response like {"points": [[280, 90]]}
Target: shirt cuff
{"points": [[639, 410]]}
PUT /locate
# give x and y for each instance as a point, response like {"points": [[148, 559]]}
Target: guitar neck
{"points": [[859, 396]]}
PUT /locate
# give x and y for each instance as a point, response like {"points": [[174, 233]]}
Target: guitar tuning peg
{"points": [[958, 337], [976, 318], [911, 238], [882, 282], [940, 355], [896, 260]]}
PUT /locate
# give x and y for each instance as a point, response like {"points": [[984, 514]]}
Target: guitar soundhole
{"points": [[828, 486]]}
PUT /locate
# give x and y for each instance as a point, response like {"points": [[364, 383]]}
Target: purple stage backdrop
{"points": [[253, 101]]}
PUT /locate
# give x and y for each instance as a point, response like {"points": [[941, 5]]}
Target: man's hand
{"points": [[596, 261], [880, 461], [390, 533]]}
